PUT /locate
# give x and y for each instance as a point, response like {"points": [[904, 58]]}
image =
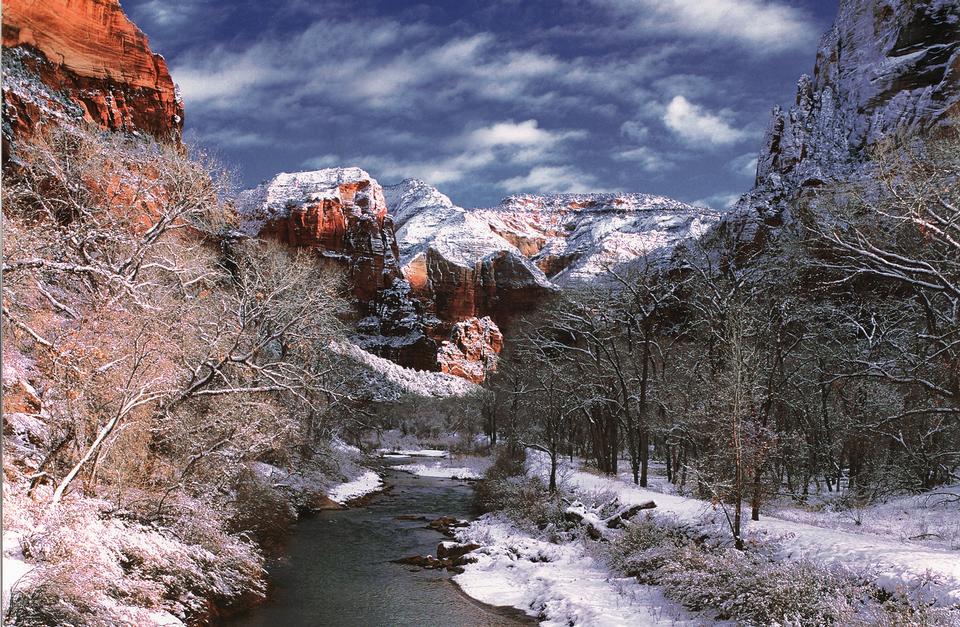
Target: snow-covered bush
{"points": [[506, 488], [644, 548], [753, 588], [99, 569], [756, 591]]}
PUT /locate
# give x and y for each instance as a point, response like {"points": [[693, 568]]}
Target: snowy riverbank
{"points": [[930, 573], [561, 584]]}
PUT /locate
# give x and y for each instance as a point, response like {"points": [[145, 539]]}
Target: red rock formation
{"points": [[472, 350], [84, 58], [500, 284], [341, 213]]}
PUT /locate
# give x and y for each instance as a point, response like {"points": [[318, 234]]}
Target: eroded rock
{"points": [[83, 59]]}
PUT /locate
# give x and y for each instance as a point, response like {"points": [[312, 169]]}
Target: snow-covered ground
{"points": [[562, 584], [440, 470], [931, 518], [14, 567], [933, 573], [366, 483], [387, 382]]}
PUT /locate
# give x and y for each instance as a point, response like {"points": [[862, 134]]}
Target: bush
{"points": [[754, 589], [506, 488], [260, 511], [97, 569]]}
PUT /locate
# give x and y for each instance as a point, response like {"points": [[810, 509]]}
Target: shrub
{"points": [[260, 511], [506, 488], [100, 570]]}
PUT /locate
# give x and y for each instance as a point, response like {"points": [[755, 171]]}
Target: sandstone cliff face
{"points": [[886, 69], [341, 213], [472, 350], [85, 59]]}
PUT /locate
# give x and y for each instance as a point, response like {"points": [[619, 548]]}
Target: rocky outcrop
{"points": [[342, 215], [83, 59], [579, 238], [886, 70], [339, 212], [472, 350]]}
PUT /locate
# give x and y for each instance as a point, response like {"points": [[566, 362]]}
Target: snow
{"points": [[562, 584], [366, 483], [273, 198], [424, 452], [15, 566], [439, 470], [578, 236], [931, 518], [387, 381], [893, 563]]}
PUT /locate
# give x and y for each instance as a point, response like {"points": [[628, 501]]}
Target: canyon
{"points": [[247, 423]]}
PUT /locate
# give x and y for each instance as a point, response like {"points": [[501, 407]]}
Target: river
{"points": [[336, 567]]}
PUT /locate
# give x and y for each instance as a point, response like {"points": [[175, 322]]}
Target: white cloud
{"points": [[648, 159], [762, 26], [512, 133], [324, 161], [696, 125], [551, 179], [634, 130]]}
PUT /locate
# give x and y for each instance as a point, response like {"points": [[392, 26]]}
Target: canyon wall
{"points": [[83, 59], [887, 70]]}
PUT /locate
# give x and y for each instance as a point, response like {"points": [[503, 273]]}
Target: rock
{"points": [[427, 562], [414, 517], [467, 265], [454, 550], [567, 237], [74, 59], [342, 215], [577, 238], [446, 525], [886, 69], [339, 212], [472, 350]]}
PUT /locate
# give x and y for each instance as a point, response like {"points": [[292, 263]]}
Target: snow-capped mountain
{"points": [[458, 256]]}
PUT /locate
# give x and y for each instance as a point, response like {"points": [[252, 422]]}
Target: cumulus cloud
{"points": [[635, 130], [508, 142], [545, 103], [695, 125], [761, 26], [551, 179]]}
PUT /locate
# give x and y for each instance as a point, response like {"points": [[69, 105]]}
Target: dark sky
{"points": [[485, 98]]}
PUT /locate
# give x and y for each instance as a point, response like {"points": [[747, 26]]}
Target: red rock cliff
{"points": [[84, 58]]}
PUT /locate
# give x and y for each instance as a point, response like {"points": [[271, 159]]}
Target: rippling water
{"points": [[337, 568]]}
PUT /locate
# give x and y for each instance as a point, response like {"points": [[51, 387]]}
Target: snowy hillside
{"points": [[569, 238]]}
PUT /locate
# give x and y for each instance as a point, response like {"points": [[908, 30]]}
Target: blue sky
{"points": [[488, 98]]}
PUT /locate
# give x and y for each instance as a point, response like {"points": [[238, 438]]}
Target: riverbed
{"points": [[337, 570]]}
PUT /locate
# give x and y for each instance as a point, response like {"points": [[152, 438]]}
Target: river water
{"points": [[337, 571]]}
